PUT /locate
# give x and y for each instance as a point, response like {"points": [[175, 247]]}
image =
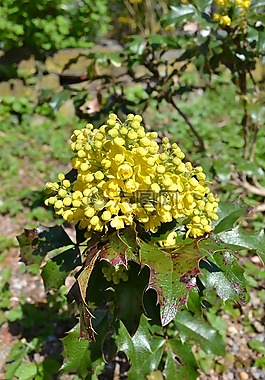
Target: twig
{"points": [[256, 189], [184, 116]]}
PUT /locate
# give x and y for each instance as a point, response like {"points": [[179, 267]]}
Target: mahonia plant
{"points": [[149, 235], [124, 176]]}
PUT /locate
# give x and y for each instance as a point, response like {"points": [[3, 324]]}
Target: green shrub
{"points": [[51, 25]]}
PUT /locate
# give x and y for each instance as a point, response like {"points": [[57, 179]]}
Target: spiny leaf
{"points": [[56, 270], [180, 362], [86, 329], [222, 274], [239, 239], [228, 215], [129, 237], [121, 247], [76, 354], [129, 297], [143, 350], [172, 276], [36, 243], [194, 328]]}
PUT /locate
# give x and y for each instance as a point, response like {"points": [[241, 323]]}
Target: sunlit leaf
{"points": [[36, 243], [180, 363], [222, 274], [86, 329], [76, 354], [172, 276], [56, 269], [197, 330], [121, 247], [143, 350], [228, 215]]}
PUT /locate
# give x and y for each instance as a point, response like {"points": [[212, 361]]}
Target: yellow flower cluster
{"points": [[124, 175], [225, 5]]}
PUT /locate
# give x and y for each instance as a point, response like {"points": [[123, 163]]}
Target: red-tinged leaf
{"points": [[114, 251], [86, 329], [172, 276], [121, 247], [129, 237], [36, 243]]}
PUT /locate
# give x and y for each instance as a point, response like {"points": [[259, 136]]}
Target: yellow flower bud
{"points": [[61, 177], [67, 201], [99, 175], [119, 141], [62, 193], [58, 204], [89, 212]]}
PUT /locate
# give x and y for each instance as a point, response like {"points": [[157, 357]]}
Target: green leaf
{"points": [[178, 14], [27, 371], [172, 275], [76, 354], [222, 274], [239, 239], [14, 359], [56, 270], [59, 98], [137, 44], [257, 346], [228, 215], [129, 297], [36, 243], [129, 237], [143, 350], [180, 363], [197, 330]]}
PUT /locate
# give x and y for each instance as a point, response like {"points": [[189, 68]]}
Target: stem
{"points": [[134, 16], [193, 130]]}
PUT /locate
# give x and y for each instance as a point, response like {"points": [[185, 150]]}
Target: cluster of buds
{"points": [[223, 16]]}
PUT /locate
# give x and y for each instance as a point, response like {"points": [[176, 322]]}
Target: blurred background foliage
{"points": [[193, 69]]}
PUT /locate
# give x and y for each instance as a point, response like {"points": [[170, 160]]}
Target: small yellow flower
{"points": [[225, 20]]}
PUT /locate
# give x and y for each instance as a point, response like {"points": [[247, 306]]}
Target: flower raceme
{"points": [[125, 176]]}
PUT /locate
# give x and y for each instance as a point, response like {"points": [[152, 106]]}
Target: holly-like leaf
{"points": [[77, 356], [143, 350], [194, 328], [129, 297], [36, 243], [222, 274], [121, 247], [228, 215], [129, 237], [56, 269], [239, 239], [86, 329], [180, 363], [172, 275]]}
